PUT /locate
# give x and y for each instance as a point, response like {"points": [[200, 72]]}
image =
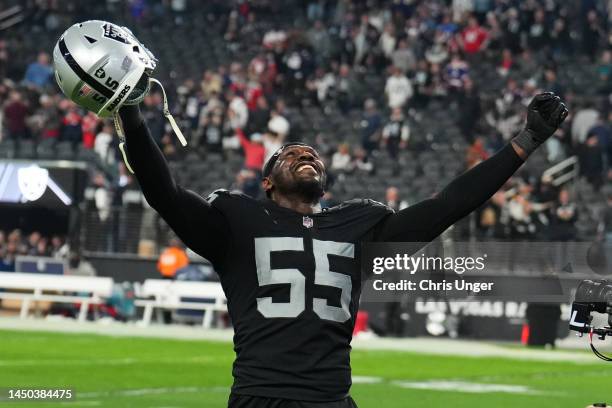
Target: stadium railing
{"points": [[33, 287], [166, 294]]}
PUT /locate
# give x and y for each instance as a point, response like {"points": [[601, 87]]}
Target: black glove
{"points": [[545, 114]]}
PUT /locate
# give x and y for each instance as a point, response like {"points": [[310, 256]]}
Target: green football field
{"points": [[144, 372]]}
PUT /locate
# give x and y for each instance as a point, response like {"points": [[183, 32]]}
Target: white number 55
{"points": [[297, 281]]}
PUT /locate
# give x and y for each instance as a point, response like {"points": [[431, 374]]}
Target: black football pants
{"points": [[247, 401]]}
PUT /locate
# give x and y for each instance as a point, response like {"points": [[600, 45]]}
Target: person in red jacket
{"points": [[254, 154], [254, 151], [474, 38]]}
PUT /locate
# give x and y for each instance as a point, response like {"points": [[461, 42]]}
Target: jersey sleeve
{"points": [[200, 225], [426, 220]]}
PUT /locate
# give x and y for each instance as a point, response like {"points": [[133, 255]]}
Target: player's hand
{"points": [[545, 114]]}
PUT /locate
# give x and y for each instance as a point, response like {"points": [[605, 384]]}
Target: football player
{"points": [[290, 270]]}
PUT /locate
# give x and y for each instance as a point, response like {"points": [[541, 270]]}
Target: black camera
{"points": [[592, 296]]}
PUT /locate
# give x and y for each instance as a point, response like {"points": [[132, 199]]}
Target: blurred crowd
{"points": [[425, 54], [15, 243]]}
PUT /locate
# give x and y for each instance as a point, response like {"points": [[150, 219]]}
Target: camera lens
{"points": [[598, 293]]}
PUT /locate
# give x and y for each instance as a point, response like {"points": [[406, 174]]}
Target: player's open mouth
{"points": [[306, 165]]}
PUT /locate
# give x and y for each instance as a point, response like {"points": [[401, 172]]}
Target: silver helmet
{"points": [[101, 66]]}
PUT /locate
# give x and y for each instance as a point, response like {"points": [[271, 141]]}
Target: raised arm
{"points": [[426, 220], [198, 224]]}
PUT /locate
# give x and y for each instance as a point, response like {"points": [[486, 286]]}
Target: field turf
{"points": [[146, 372]]}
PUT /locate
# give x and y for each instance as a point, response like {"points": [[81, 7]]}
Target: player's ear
{"points": [[267, 185]]}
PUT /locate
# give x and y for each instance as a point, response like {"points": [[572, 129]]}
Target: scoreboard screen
{"points": [[50, 184]]}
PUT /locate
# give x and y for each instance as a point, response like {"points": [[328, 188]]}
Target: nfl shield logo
{"points": [[307, 221]]}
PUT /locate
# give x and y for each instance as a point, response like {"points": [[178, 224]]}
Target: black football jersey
{"points": [[293, 283]]}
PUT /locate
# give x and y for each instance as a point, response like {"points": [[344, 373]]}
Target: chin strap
{"points": [[119, 130], [167, 115]]}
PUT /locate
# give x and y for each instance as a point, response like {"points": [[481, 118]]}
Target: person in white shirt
{"points": [[341, 160], [238, 112], [398, 89], [278, 129], [102, 143]]}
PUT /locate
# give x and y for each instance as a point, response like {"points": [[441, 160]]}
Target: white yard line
{"points": [[470, 387], [138, 392], [104, 361]]}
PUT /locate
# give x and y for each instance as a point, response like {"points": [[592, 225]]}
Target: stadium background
{"points": [[399, 96]]}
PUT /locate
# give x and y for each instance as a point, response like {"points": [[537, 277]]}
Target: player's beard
{"points": [[308, 190]]}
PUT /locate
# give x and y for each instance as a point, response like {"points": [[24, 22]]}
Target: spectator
{"points": [[212, 133], [551, 82], [519, 208], [393, 201], [469, 110], [538, 35], [343, 88], [42, 248], [46, 121], [512, 32], [319, 40], [563, 218], [77, 266], [476, 153], [237, 111], [260, 116], [456, 73], [583, 120], [211, 84], [172, 258], [403, 57], [506, 63], [59, 247], [341, 160], [32, 242], [72, 130], [39, 73], [371, 123], [395, 134], [474, 38], [272, 142], [592, 161], [278, 124], [361, 161], [437, 53], [592, 34], [103, 144], [102, 202], [89, 126], [387, 41], [254, 152], [15, 113], [152, 112], [398, 89]]}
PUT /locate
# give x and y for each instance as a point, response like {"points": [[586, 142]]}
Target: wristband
{"points": [[527, 141]]}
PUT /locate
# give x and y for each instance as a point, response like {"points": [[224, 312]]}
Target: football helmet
{"points": [[102, 66]]}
